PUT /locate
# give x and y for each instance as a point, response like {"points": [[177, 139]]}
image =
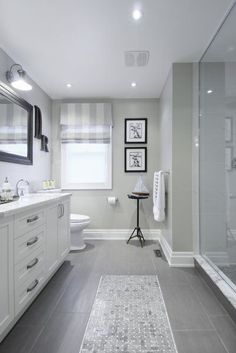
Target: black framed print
{"points": [[135, 159], [136, 130]]}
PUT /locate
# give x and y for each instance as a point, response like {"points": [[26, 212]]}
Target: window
{"points": [[86, 145], [87, 165]]}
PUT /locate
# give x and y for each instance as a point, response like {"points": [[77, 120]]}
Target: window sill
{"points": [[84, 188], [74, 189]]}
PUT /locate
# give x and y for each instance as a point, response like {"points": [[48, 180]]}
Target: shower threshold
{"points": [[225, 293]]}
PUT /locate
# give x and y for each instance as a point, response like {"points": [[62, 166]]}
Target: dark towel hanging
{"points": [[38, 122], [44, 143]]}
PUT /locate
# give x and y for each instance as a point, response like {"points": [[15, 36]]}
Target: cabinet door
{"points": [[63, 229], [51, 238], [6, 275]]}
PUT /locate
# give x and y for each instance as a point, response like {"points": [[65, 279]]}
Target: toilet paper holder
{"points": [[112, 200]]}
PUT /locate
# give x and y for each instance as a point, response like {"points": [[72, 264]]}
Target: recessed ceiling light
{"points": [[133, 84], [137, 14], [209, 91], [69, 85]]}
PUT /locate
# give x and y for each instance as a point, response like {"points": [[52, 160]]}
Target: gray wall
{"points": [[94, 202], [182, 157], [41, 168], [176, 155]]}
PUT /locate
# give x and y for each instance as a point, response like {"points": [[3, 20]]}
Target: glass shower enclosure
{"points": [[217, 179]]}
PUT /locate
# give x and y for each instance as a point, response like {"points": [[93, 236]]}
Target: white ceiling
{"points": [[82, 42], [223, 47]]}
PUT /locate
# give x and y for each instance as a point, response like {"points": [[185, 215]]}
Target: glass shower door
{"points": [[218, 151]]}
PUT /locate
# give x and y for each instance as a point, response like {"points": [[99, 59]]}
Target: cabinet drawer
{"points": [[28, 289], [28, 267], [28, 242], [28, 221]]}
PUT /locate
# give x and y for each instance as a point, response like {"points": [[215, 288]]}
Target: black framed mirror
{"points": [[16, 127]]}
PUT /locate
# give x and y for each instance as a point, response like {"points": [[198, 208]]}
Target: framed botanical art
{"points": [[136, 130], [135, 159]]}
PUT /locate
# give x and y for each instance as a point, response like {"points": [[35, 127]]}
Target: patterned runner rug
{"points": [[128, 316]]}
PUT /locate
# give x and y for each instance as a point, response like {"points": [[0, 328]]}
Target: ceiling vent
{"points": [[136, 58]]}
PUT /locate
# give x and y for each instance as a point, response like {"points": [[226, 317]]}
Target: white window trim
{"points": [[89, 186]]}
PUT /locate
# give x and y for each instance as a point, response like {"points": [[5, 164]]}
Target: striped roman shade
{"points": [[86, 122], [13, 124]]}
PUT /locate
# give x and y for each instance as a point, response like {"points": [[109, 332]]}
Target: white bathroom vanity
{"points": [[34, 241]]}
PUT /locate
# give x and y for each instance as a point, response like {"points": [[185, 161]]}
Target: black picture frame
{"points": [[131, 137], [10, 95], [131, 157]]}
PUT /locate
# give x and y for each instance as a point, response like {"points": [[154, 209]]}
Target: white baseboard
{"points": [[176, 258], [119, 234]]}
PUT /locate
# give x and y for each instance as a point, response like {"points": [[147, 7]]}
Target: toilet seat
{"points": [[78, 218]]}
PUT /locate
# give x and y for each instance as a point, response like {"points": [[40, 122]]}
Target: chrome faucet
{"points": [[17, 187]]}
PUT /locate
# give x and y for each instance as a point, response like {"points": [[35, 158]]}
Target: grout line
{"points": [[218, 302], [219, 337], [205, 285], [203, 308], [36, 339], [222, 315], [153, 265], [199, 301], [193, 330], [50, 316]]}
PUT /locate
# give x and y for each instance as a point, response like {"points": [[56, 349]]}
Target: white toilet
{"points": [[77, 224]]}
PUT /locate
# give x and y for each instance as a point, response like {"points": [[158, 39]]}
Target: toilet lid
{"points": [[78, 218]]}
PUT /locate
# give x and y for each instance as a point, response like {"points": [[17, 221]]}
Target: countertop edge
{"points": [[35, 204]]}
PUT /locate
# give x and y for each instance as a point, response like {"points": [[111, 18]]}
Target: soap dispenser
{"points": [[6, 194]]}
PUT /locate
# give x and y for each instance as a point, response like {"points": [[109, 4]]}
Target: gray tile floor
{"points": [[56, 321]]}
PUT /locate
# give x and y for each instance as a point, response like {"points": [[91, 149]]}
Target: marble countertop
{"points": [[29, 201]]}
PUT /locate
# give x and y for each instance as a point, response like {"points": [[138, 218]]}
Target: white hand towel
{"points": [[159, 196]]}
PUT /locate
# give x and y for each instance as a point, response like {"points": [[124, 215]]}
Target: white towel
{"points": [[159, 196]]}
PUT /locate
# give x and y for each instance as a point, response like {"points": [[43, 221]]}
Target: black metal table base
{"points": [[137, 233]]}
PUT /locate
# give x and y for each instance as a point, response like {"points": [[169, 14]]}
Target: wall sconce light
{"points": [[16, 77]]}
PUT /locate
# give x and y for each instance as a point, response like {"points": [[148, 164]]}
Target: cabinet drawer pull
{"points": [[33, 219], [32, 263], [60, 208], [32, 241], [29, 289]]}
